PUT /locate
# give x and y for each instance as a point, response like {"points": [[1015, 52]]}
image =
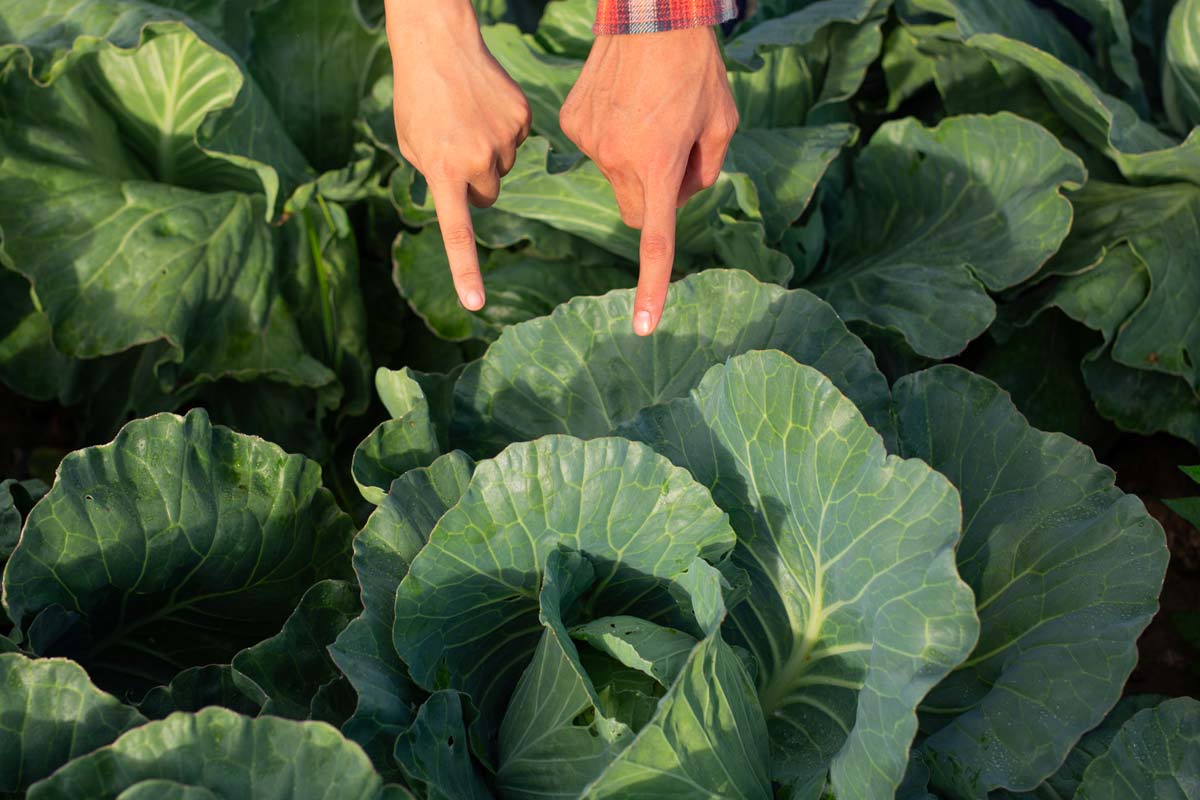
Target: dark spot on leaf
{"points": [[450, 742], [1152, 358], [87, 497]]}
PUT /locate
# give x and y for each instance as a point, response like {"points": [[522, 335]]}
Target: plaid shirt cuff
{"points": [[615, 17]]}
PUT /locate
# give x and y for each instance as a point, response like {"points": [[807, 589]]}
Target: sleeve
{"points": [[614, 17]]}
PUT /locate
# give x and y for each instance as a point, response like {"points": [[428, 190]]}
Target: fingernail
{"points": [[474, 300], [641, 323]]}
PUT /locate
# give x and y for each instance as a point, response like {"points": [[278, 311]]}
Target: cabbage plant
{"points": [[1014, 559]]}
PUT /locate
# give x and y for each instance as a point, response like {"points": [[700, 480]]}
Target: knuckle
{"points": [[655, 245], [485, 197], [458, 237], [479, 161]]}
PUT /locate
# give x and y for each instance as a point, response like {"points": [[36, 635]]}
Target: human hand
{"points": [[655, 113], [459, 120]]}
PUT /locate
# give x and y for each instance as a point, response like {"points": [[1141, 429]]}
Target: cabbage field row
{"points": [[284, 520]]}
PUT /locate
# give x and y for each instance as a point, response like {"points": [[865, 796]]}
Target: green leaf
{"points": [[52, 713], [582, 371], [906, 68], [1109, 285], [466, 612], [1065, 782], [554, 738], [231, 22], [1188, 507], [1139, 150], [205, 126], [805, 82], [1039, 365], [225, 753], [566, 27], [396, 445], [29, 364], [283, 674], [17, 498], [319, 272], [1112, 42], [399, 390], [786, 164], [167, 790], [196, 688], [192, 273], [435, 751], [316, 61], [176, 545], [704, 738], [1155, 754], [1066, 571], [1161, 226], [1023, 21], [798, 28], [940, 216], [1102, 297], [1181, 77], [855, 607], [518, 287], [391, 539], [637, 643], [1143, 402]]}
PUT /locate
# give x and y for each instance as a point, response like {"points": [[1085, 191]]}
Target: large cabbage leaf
{"points": [[939, 217], [394, 534], [1155, 754], [219, 753], [176, 545], [855, 608], [51, 714], [582, 371], [1066, 571]]}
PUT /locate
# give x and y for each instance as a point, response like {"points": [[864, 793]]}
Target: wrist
{"points": [[677, 37]]}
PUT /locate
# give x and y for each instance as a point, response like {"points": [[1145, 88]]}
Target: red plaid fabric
{"points": [[614, 17]]}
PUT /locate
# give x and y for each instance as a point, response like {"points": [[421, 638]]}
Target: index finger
{"points": [[657, 253], [458, 235]]}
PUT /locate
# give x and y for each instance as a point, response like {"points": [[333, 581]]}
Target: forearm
{"points": [[406, 19], [617, 17]]}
